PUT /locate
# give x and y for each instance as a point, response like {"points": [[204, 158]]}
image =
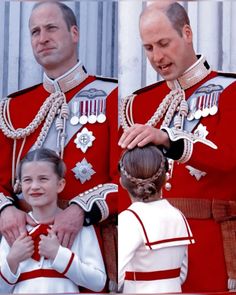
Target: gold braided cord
{"points": [[168, 107], [54, 105]]}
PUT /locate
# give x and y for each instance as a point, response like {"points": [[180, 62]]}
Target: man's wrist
{"points": [[5, 202], [93, 202]]}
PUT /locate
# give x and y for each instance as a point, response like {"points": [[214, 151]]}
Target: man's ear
{"points": [[187, 33], [75, 33], [61, 185]]}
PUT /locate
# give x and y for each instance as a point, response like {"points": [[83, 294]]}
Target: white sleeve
{"points": [[7, 278], [184, 268], [83, 264], [129, 239]]}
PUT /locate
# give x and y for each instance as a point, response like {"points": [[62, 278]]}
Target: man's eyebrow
{"points": [[45, 25]]}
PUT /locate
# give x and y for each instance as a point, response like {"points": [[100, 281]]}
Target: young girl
{"points": [[153, 235], [37, 263]]}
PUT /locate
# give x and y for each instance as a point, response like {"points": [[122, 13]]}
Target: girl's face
{"points": [[40, 184]]}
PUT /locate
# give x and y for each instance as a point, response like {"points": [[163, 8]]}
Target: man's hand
{"points": [[13, 223], [49, 245], [67, 224], [140, 135]]}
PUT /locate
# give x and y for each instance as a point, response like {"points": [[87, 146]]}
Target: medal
{"points": [[192, 107], [83, 171], [92, 117], [83, 119], [101, 118], [214, 105], [74, 120], [75, 108], [198, 113], [84, 139], [206, 109]]}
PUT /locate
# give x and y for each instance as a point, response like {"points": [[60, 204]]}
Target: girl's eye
{"points": [[26, 180]]}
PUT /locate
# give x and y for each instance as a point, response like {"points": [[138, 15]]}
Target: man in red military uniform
{"points": [[72, 113], [197, 135]]}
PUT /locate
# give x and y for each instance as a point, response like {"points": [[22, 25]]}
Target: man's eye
{"points": [[33, 33], [164, 44], [52, 28], [148, 48]]}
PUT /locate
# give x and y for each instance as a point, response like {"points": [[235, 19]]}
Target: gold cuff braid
{"points": [[5, 201], [96, 195]]}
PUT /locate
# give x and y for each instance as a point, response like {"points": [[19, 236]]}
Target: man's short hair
{"points": [[67, 12], [178, 17]]}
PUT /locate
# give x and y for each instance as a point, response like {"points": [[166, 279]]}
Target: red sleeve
{"points": [[221, 128], [112, 117]]}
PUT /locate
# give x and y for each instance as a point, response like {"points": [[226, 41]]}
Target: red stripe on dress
{"points": [[5, 279], [169, 240], [47, 273], [140, 221], [69, 263], [152, 275], [187, 227]]}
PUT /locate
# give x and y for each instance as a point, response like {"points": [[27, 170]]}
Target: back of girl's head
{"points": [[43, 155], [143, 171]]}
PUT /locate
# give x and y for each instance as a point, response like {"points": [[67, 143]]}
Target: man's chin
{"points": [[168, 77], [46, 61]]}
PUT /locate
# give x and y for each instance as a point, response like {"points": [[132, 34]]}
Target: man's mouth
{"points": [[164, 67], [45, 50]]}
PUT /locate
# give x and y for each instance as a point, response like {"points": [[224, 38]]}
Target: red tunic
{"points": [[102, 155], [207, 270]]}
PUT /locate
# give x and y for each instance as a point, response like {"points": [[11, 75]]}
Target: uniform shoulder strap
{"points": [[149, 87], [23, 91]]}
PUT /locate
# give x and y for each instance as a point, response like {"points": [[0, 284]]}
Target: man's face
{"points": [[169, 53], [54, 46]]}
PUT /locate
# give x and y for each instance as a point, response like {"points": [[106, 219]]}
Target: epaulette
{"points": [[149, 87], [108, 79], [25, 90], [229, 75]]}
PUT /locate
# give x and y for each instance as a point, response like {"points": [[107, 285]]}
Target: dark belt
{"points": [[219, 210], [152, 275], [223, 212]]}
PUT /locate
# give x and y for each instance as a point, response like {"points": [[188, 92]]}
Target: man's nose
{"points": [[157, 55], [43, 36]]}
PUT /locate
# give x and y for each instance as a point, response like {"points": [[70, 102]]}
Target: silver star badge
{"points": [[84, 139], [83, 171], [201, 131], [195, 172]]}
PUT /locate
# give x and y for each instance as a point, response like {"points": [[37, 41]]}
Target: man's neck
{"points": [[193, 75], [68, 80], [55, 73]]}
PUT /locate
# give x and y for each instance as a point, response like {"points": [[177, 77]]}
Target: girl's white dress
{"points": [[152, 248], [81, 266]]}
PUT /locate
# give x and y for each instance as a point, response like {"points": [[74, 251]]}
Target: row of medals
{"points": [[88, 111], [203, 105]]}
